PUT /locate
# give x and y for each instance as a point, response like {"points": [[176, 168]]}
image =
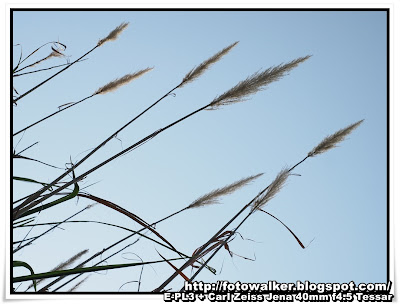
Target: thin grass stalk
{"points": [[18, 241], [54, 113], [72, 221], [37, 142], [30, 159], [44, 69]]}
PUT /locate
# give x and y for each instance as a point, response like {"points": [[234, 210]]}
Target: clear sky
{"points": [[337, 201]]}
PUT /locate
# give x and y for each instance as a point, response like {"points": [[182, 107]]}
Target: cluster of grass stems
{"points": [[25, 210]]}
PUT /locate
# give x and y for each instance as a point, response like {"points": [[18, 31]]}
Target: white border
{"points": [[295, 4]]}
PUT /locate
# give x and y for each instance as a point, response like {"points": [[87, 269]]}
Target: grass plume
{"points": [[201, 68], [78, 284], [70, 260], [212, 197], [254, 83], [54, 53], [114, 33], [273, 189], [115, 84], [332, 140]]}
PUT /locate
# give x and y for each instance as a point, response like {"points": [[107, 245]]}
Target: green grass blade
{"points": [[23, 264], [28, 180]]}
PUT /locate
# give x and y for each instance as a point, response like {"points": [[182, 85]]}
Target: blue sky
{"points": [[338, 202]]}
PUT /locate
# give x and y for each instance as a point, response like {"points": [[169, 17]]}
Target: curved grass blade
{"points": [[22, 223], [127, 213], [26, 265], [28, 180], [30, 159], [55, 202], [294, 235]]}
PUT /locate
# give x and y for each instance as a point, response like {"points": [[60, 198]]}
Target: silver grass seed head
{"points": [[254, 83], [78, 284], [91, 205], [201, 68], [213, 196], [273, 189], [119, 82], [332, 140], [114, 33]]}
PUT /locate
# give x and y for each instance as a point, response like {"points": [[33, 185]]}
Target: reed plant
{"points": [[69, 185]]}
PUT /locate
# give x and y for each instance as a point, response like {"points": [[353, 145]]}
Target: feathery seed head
{"points": [[91, 205], [254, 83], [273, 189], [200, 69], [213, 196], [78, 284], [332, 140], [114, 33], [115, 84]]}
